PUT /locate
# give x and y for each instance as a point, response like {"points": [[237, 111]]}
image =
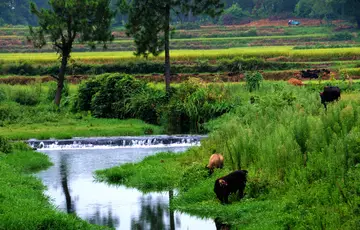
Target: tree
{"points": [[68, 21], [352, 9], [321, 9], [149, 24]]}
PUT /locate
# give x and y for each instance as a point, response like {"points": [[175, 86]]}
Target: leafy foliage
{"points": [[253, 80], [5, 146], [67, 21], [233, 15]]}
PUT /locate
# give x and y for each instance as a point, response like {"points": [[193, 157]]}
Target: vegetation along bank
{"points": [[302, 161], [23, 204]]}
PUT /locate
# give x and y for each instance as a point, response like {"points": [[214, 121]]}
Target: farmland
{"points": [[303, 161], [273, 47]]}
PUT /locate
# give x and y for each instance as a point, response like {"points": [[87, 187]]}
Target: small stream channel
{"points": [[72, 187]]}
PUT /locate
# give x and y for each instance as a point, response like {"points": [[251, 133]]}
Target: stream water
{"points": [[72, 188]]}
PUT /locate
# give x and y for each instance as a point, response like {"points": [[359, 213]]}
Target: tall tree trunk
{"points": [[167, 47], [61, 78]]}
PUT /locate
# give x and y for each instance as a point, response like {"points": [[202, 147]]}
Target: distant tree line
{"points": [[16, 12]]}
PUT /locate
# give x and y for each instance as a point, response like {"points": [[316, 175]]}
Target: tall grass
{"points": [[305, 157], [303, 162]]}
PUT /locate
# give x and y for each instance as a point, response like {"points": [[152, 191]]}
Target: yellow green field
{"points": [[352, 53]]}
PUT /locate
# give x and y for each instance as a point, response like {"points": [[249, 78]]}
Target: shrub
{"points": [[25, 96], [3, 95], [253, 80], [9, 111], [146, 103], [232, 15], [86, 92], [342, 36], [191, 105], [5, 146], [110, 101], [240, 64], [21, 146]]}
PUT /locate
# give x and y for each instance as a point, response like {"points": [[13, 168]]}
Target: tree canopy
{"points": [[149, 23], [16, 11], [69, 21]]}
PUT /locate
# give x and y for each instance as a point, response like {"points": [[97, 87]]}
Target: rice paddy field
{"points": [[282, 51]]}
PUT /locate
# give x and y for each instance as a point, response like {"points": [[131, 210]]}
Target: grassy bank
{"points": [[303, 163], [87, 127], [28, 112], [23, 204]]}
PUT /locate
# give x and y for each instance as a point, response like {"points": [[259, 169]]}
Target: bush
{"points": [[86, 91], [5, 146], [21, 146], [342, 36], [192, 105], [146, 103], [26, 96], [253, 80], [9, 111], [232, 15], [3, 95], [240, 64], [111, 98]]}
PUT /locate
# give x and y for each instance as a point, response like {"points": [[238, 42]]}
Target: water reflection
{"points": [[220, 225], [109, 220], [155, 214], [64, 183], [72, 189]]}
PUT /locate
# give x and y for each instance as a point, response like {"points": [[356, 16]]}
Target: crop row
{"points": [[233, 65], [16, 44], [209, 31], [284, 53]]}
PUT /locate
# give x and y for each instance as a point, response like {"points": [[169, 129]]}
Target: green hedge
{"points": [[146, 67]]}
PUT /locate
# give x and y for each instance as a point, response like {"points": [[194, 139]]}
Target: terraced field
{"points": [[279, 51]]}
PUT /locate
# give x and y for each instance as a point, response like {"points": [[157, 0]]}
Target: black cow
{"points": [[310, 74], [231, 183], [314, 73], [330, 93]]}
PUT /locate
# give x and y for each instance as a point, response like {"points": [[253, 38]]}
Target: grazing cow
{"points": [[216, 161], [330, 93], [294, 81], [231, 183], [312, 74]]}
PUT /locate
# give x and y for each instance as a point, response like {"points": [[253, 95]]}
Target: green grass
{"points": [[68, 128], [23, 204], [19, 121], [302, 162], [145, 175]]}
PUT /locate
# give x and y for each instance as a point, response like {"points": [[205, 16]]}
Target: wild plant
{"points": [[253, 80]]}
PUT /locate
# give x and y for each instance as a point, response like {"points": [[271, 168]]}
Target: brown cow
{"points": [[294, 81], [216, 161]]}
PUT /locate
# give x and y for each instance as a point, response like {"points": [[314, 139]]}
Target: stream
{"points": [[72, 188]]}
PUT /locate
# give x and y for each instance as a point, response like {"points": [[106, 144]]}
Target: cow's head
{"points": [[223, 183]]}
